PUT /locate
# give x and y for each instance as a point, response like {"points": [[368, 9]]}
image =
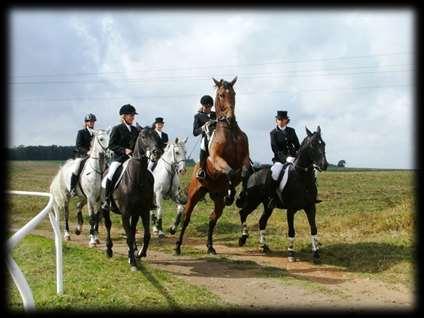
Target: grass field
{"points": [[365, 225]]}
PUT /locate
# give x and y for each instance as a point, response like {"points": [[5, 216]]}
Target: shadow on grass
{"points": [[152, 279], [222, 227], [366, 257]]}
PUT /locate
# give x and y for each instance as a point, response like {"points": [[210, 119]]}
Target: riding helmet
{"points": [[90, 117], [206, 100], [127, 109]]}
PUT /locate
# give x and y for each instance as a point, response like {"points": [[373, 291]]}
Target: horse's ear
{"points": [[185, 140], [308, 132], [176, 140], [217, 84], [319, 130], [233, 81]]}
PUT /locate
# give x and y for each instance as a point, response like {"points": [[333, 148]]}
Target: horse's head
{"points": [[147, 143], [225, 99], [177, 153], [99, 143], [314, 148]]}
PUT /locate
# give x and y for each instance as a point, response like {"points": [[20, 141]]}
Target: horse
{"points": [[88, 189], [167, 182], [133, 196], [298, 193], [228, 160]]}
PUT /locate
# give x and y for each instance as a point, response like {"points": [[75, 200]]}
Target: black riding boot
{"points": [[108, 192], [74, 181], [201, 174], [276, 199]]}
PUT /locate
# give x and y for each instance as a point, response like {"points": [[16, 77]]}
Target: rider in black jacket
{"points": [[161, 136], [203, 124], [82, 148]]}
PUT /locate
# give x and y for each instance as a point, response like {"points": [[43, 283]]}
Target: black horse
{"points": [[299, 192], [133, 197]]}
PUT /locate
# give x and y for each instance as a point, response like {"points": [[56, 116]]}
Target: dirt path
{"points": [[246, 278]]}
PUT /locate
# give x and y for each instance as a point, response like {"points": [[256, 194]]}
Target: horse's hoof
{"points": [[242, 240], [134, 268], [92, 244], [67, 237], [161, 235], [77, 231], [177, 251], [211, 251], [265, 249], [97, 241], [109, 253], [291, 259], [172, 230]]}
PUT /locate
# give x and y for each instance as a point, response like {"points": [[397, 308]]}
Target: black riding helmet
{"points": [[206, 101], [127, 109], [90, 117]]}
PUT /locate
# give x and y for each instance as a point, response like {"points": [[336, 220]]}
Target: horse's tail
{"points": [[58, 190]]}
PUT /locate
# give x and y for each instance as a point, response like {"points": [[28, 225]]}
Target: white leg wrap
{"points": [[262, 239], [291, 244], [244, 230], [314, 240]]}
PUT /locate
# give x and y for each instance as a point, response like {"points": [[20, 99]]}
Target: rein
{"points": [[98, 158]]}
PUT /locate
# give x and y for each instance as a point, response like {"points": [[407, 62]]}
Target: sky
{"points": [[349, 71]]}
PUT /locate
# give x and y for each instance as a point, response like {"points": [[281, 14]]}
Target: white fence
{"points": [[17, 275]]}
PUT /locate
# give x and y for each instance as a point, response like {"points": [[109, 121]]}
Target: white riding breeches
{"points": [[290, 159], [77, 163], [112, 168]]}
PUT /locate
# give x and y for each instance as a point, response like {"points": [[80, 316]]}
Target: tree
{"points": [[342, 163]]}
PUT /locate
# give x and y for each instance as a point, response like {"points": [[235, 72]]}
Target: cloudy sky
{"points": [[349, 71]]}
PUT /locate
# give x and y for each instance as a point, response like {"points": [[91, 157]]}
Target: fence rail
{"points": [[16, 273]]}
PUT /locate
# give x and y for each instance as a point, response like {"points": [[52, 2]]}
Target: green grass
{"points": [[94, 282], [366, 224]]}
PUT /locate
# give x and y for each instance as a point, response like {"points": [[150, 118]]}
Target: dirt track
{"points": [[249, 279]]}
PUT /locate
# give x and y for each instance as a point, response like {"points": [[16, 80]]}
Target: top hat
{"points": [[159, 120], [282, 114]]}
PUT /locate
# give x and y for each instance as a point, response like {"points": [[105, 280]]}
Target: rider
{"points": [[82, 149], [121, 142], [284, 141], [203, 124], [161, 136]]}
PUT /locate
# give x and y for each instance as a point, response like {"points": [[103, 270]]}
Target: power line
{"points": [[217, 66], [293, 73], [41, 99]]}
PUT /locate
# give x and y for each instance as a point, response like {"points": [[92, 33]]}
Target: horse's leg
{"points": [[173, 227], [159, 215], [310, 214], [213, 218], [66, 236], [195, 194], [133, 228], [130, 241], [222, 166], [291, 234], [108, 225], [244, 212], [93, 220], [262, 225], [146, 238], [80, 204]]}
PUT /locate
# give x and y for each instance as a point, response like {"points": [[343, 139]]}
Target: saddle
{"points": [[116, 178]]}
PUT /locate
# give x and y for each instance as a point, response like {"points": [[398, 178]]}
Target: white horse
{"points": [[88, 189], [167, 182]]}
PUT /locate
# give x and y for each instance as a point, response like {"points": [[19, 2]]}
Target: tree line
{"points": [[52, 152]]}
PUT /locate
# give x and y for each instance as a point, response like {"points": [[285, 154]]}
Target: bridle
{"points": [[98, 158], [173, 165]]}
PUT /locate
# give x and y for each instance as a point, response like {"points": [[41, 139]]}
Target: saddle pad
{"points": [[123, 168]]}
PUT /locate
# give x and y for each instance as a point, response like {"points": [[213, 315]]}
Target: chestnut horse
{"points": [[227, 162]]}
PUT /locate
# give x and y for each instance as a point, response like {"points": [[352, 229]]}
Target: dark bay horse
{"points": [[299, 193], [228, 159], [134, 195]]}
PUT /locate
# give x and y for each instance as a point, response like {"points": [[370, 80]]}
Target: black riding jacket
{"points": [[284, 143], [200, 119], [83, 142], [121, 138]]}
